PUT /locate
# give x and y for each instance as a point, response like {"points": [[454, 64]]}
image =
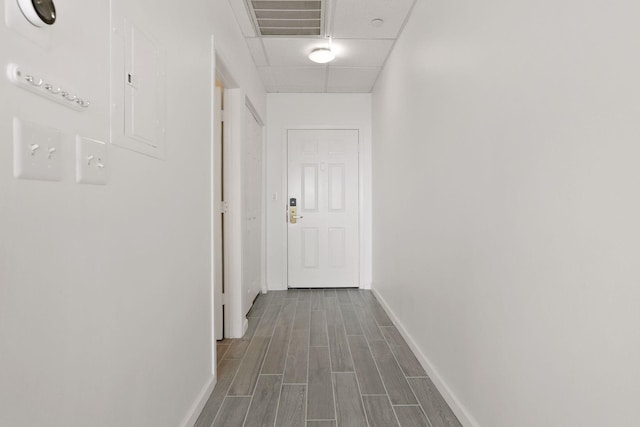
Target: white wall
{"points": [[509, 131], [105, 313], [232, 49], [312, 111]]}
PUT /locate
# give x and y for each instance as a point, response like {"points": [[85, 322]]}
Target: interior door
{"points": [[218, 278], [252, 210], [323, 226]]}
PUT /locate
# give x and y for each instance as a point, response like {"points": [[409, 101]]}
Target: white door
{"points": [[323, 249], [218, 277], [252, 210]]}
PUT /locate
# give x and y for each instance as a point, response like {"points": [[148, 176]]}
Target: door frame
{"points": [[234, 100], [217, 166], [230, 87], [364, 208]]}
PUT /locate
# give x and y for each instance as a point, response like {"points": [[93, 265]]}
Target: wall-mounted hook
{"points": [[51, 89], [34, 81], [45, 87]]}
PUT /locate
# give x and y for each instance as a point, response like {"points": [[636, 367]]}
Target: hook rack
{"points": [[44, 87]]}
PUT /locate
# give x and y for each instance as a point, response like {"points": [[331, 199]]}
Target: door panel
{"points": [[310, 247], [310, 188], [337, 187], [323, 249], [337, 248], [252, 210], [217, 216]]}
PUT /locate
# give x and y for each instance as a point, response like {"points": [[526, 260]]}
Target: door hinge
{"points": [[224, 299], [222, 115], [224, 207]]}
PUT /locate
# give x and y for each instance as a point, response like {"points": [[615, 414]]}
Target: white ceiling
{"points": [[361, 49]]}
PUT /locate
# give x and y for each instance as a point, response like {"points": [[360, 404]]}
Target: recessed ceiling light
{"points": [[377, 22], [322, 55]]}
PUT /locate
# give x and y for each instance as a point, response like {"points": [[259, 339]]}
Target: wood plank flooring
{"points": [[321, 357]]}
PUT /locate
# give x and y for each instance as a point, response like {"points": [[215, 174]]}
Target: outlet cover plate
{"points": [[92, 165], [36, 151]]}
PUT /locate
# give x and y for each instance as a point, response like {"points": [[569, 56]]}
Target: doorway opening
{"points": [[238, 205], [218, 210]]}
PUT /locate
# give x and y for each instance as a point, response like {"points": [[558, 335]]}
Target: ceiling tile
{"points": [[354, 89], [361, 78], [242, 16], [257, 52], [352, 18], [267, 76], [290, 52], [361, 53], [299, 76], [295, 89]]}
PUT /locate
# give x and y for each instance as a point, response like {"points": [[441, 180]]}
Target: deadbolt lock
{"points": [[293, 211]]}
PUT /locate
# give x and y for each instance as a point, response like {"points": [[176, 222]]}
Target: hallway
{"points": [[324, 357]]}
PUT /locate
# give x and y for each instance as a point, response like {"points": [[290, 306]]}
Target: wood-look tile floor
{"points": [[321, 358]]}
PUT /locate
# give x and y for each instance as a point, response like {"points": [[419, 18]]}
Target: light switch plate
{"points": [[91, 161], [36, 151]]}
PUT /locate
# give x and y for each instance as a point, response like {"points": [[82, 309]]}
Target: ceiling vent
{"points": [[288, 17]]}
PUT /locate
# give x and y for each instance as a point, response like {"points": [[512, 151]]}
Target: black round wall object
{"points": [[46, 10], [38, 12]]}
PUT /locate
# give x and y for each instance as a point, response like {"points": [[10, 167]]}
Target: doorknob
{"points": [[293, 217]]}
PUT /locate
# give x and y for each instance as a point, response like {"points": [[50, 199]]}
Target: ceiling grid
{"points": [[279, 36]]}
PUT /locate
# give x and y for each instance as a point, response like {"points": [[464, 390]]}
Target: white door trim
{"points": [[216, 224], [214, 302], [364, 205]]}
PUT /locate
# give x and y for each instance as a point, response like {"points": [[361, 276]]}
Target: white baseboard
{"points": [[196, 408], [276, 287], [461, 412]]}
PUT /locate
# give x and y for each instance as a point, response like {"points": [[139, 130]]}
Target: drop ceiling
{"points": [[281, 34]]}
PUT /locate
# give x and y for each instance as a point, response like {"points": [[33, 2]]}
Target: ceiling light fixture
{"points": [[322, 55], [377, 22]]}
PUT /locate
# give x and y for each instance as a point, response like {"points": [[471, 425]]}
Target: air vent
{"points": [[288, 17]]}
